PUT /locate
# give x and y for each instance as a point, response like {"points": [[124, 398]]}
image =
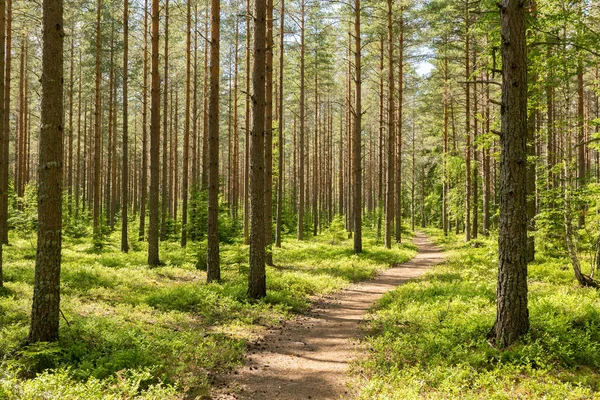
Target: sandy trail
{"points": [[308, 357]]}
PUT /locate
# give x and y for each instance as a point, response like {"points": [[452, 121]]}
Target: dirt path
{"points": [[308, 357]]}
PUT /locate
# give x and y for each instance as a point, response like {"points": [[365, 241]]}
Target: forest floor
{"points": [[309, 357]]}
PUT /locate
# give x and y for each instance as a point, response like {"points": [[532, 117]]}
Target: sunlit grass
{"points": [[130, 330], [427, 339]]}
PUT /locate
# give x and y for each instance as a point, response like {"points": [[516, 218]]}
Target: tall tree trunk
{"points": [[280, 127], [257, 280], [467, 125], [235, 195], [399, 130], [269, 135], [357, 155], [512, 320], [69, 154], [78, 175], [380, 176], [213, 271], [153, 259], [97, 133], [186, 128], [5, 139], [300, 231], [165, 133], [205, 110], [475, 180], [391, 162], [247, 128], [46, 287], [144, 166], [445, 177], [580, 140], [125, 168]]}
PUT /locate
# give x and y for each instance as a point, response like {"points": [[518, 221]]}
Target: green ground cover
{"points": [[137, 332], [427, 339]]}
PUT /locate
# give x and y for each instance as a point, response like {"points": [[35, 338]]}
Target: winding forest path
{"points": [[308, 357]]}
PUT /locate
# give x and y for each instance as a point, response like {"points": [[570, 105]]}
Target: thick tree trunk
{"points": [[257, 280], [46, 287], [512, 320], [213, 271]]}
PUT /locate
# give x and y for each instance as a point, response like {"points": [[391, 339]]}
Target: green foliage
{"points": [[136, 332], [337, 229], [428, 337], [23, 215]]}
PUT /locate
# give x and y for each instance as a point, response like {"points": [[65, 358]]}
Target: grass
{"points": [[134, 332], [427, 339]]}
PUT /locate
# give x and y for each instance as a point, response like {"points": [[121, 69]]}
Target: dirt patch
{"points": [[308, 357]]}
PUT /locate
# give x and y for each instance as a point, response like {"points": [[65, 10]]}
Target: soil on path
{"points": [[308, 357]]}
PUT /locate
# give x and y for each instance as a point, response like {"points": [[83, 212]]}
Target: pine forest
{"points": [[299, 199]]}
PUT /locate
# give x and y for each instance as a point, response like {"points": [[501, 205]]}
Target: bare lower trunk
{"points": [[46, 288]]}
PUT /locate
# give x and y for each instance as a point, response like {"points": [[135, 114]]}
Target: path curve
{"points": [[308, 357]]}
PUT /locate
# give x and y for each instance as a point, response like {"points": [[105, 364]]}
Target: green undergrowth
{"points": [[130, 331], [427, 338]]}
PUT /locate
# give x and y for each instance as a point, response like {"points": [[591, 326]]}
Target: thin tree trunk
{"points": [[144, 166], [399, 129], [165, 133], [280, 124], [97, 132], [269, 134], [391, 162], [5, 138], [213, 271], [186, 127], [467, 127], [153, 259], [357, 155], [300, 233], [125, 168]]}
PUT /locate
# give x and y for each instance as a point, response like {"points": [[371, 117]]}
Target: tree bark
{"points": [[302, 106], [257, 280], [512, 319], [391, 164], [165, 134], [144, 166], [97, 133], [280, 127], [153, 259], [269, 135], [357, 155], [213, 271], [125, 168], [186, 128], [46, 288]]}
